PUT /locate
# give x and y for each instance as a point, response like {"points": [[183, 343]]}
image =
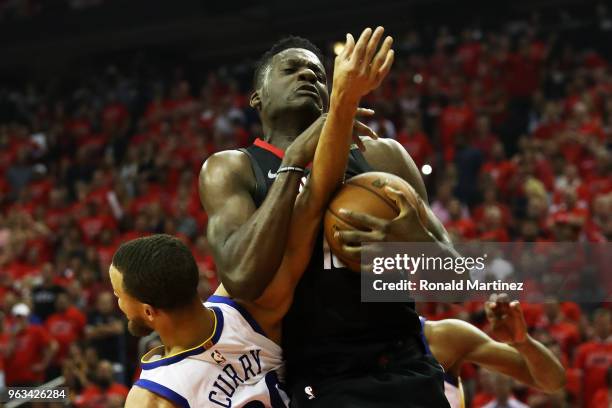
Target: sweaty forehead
{"points": [[297, 55]]}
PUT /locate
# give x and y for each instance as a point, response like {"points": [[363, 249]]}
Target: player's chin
{"points": [[138, 328], [309, 104]]}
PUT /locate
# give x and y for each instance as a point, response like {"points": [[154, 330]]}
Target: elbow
{"points": [[239, 286], [556, 382]]}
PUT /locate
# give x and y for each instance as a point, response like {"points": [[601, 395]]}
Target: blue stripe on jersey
{"points": [[423, 338], [245, 314], [163, 392], [219, 328], [198, 350], [275, 398]]}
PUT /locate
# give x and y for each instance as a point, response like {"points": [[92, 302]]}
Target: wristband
{"points": [[286, 169]]}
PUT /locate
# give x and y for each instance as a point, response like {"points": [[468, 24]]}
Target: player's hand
{"points": [[358, 69], [506, 319], [302, 150], [406, 227]]}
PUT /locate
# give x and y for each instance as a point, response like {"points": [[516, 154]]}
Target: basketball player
{"points": [[454, 342], [333, 343], [221, 354]]}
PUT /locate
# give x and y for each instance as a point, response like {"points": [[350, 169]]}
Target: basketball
{"points": [[365, 193]]}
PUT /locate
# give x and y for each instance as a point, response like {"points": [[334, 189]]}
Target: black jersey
{"points": [[328, 330]]}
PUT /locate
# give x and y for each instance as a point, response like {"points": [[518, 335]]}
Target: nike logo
{"points": [[271, 175]]}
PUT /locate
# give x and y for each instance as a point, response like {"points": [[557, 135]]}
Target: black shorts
{"points": [[402, 376]]}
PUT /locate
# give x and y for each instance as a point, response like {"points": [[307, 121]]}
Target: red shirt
{"points": [[593, 358], [417, 145], [94, 397], [30, 344], [601, 399], [464, 227], [65, 328], [453, 120], [92, 226], [565, 333]]}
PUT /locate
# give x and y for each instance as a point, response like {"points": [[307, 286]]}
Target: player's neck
{"points": [[188, 328], [282, 131]]}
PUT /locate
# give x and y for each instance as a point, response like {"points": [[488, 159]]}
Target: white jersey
{"points": [[453, 389], [238, 366]]}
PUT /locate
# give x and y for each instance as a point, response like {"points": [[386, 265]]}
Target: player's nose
{"points": [[307, 74]]}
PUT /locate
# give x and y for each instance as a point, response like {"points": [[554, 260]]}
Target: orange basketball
{"points": [[365, 193]]}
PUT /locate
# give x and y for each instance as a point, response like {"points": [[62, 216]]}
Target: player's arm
{"points": [[139, 397], [520, 356], [238, 233]]}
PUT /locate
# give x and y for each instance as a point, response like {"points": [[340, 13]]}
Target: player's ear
{"points": [[149, 311], [255, 100]]}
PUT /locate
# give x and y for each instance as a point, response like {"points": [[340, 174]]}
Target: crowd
{"points": [[516, 127]]}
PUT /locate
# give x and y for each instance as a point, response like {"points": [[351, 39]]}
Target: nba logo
{"points": [[309, 392], [218, 357]]}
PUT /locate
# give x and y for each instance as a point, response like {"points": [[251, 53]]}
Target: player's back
{"points": [[237, 366]]}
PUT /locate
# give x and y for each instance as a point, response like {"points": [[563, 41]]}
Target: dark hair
{"points": [[282, 45], [158, 270]]}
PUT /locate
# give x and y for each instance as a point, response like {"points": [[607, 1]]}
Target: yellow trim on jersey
{"points": [[147, 355]]}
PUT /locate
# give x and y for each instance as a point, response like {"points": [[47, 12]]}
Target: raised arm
{"points": [[516, 355]]}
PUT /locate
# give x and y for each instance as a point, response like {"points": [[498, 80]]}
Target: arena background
{"points": [[108, 109]]}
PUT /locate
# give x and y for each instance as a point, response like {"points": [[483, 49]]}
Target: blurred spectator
{"points": [[66, 326], [594, 357], [3, 350], [44, 295], [30, 350], [603, 396], [105, 329], [103, 392], [502, 391], [553, 321]]}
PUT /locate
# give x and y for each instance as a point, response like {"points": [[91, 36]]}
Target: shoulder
{"points": [[389, 156], [224, 164], [375, 147], [140, 397]]}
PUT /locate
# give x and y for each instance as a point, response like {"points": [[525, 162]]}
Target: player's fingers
{"points": [[352, 251], [400, 200], [381, 55], [365, 220], [365, 112], [349, 45], [364, 130], [356, 237], [386, 67], [489, 306], [517, 311], [372, 45], [357, 140], [360, 46], [503, 298]]}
